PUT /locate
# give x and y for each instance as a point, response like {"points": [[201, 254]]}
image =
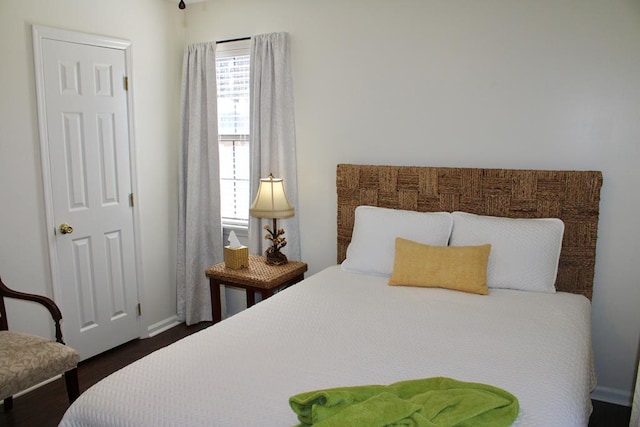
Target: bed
{"points": [[346, 326]]}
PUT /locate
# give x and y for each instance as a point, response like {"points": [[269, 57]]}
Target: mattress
{"points": [[341, 329]]}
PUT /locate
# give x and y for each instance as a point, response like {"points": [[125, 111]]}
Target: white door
{"points": [[87, 169]]}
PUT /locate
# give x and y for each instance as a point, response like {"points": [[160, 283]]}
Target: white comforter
{"points": [[341, 329]]}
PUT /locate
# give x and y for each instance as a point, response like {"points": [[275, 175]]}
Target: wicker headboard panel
{"points": [[572, 196]]}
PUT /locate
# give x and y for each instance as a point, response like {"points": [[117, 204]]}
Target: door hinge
{"points": [[139, 308], [126, 82], [132, 200]]}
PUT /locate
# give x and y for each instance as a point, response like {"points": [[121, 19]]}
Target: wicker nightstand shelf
{"points": [[258, 277]]}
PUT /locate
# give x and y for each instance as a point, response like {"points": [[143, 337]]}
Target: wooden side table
{"points": [[258, 277]]}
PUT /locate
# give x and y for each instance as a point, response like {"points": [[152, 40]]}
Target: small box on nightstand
{"points": [[236, 258]]}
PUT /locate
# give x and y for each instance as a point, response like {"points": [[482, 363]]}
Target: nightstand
{"points": [[258, 277]]}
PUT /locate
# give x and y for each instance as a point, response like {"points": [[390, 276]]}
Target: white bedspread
{"points": [[341, 329]]}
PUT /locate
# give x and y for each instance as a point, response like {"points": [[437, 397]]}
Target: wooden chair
{"points": [[27, 360]]}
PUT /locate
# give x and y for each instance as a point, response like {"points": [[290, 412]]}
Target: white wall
{"points": [[155, 28], [491, 83]]}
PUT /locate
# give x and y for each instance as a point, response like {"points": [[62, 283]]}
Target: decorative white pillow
{"points": [[524, 252], [372, 247]]}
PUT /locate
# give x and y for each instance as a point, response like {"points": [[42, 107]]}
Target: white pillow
{"points": [[372, 247], [524, 252]]}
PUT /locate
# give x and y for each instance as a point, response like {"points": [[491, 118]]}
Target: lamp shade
{"points": [[271, 200]]}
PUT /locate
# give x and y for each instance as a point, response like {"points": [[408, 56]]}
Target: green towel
{"points": [[423, 402]]}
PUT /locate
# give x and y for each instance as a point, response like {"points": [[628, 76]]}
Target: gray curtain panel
{"points": [[199, 223], [273, 134]]}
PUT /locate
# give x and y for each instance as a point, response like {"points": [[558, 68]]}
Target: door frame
{"points": [[41, 33]]}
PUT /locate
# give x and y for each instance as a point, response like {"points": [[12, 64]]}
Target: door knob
{"points": [[66, 228]]}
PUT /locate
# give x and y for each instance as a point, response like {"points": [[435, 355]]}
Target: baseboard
{"points": [[611, 395], [163, 325], [20, 393]]}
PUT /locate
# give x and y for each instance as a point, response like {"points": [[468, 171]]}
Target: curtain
{"points": [[199, 223], [272, 133]]}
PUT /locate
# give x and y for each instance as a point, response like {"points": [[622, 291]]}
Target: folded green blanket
{"points": [[423, 402]]}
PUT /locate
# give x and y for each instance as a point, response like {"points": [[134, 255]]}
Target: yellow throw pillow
{"points": [[461, 268]]}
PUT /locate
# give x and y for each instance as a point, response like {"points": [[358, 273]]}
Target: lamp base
{"points": [[275, 258]]}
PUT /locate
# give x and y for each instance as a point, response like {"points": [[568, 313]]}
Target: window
{"points": [[232, 76]]}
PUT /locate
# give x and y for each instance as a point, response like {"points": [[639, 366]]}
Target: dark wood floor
{"points": [[46, 405]]}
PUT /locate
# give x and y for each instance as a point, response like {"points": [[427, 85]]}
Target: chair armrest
{"points": [[46, 302]]}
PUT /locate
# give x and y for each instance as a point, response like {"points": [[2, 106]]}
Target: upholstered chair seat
{"points": [[27, 360]]}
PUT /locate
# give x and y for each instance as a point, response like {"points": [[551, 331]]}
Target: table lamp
{"points": [[271, 202]]}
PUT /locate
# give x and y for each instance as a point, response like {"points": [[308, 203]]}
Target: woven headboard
{"points": [[572, 196]]}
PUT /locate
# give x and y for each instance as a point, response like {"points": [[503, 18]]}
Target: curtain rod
{"points": [[233, 40]]}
